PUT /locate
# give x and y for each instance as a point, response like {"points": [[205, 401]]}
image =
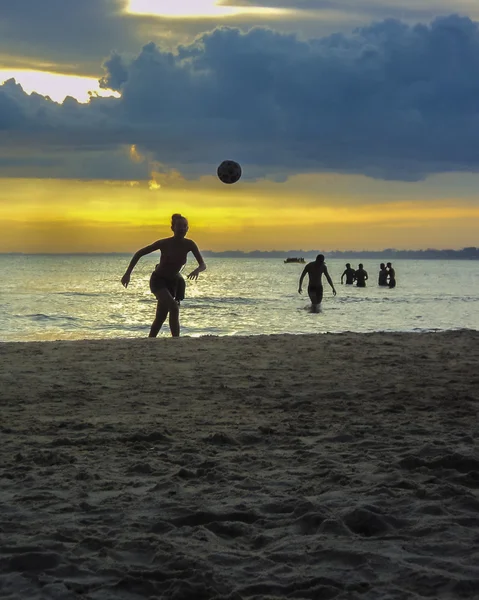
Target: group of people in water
{"points": [[386, 278], [315, 270], [168, 286]]}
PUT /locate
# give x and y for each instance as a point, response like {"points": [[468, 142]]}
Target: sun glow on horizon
{"points": [[194, 9], [109, 216], [55, 85]]}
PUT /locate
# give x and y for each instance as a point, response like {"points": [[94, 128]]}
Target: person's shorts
{"points": [[316, 290], [159, 282]]}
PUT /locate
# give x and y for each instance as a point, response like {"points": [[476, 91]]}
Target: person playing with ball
{"points": [[316, 270], [165, 278]]}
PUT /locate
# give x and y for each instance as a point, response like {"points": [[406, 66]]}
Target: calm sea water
{"points": [[78, 297]]}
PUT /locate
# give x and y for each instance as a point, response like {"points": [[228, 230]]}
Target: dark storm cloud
{"points": [[74, 34], [404, 9], [390, 101]]}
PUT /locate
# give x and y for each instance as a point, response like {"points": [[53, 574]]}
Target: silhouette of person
{"points": [[391, 276], [349, 274], [361, 276], [315, 270], [383, 275], [164, 279]]}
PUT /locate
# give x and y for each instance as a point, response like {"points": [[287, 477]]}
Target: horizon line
{"points": [[258, 251]]}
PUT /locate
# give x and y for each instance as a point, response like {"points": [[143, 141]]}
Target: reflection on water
{"points": [[75, 297]]}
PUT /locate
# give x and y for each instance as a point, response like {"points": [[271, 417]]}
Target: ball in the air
{"points": [[229, 171]]}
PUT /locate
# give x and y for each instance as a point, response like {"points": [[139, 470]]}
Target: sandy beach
{"points": [[330, 466]]}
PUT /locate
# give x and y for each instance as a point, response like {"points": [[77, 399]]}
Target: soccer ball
{"points": [[229, 171]]}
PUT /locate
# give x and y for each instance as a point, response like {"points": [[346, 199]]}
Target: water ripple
{"points": [[71, 297]]}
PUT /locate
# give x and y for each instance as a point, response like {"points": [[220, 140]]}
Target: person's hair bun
{"points": [[175, 217]]}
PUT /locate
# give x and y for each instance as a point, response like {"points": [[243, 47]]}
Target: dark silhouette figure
{"points": [[383, 275], [315, 270], [391, 276], [349, 274], [361, 276], [165, 278]]}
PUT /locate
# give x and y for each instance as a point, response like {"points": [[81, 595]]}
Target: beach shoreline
{"points": [[338, 465]]}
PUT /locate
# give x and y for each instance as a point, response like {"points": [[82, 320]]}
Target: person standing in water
{"points": [[383, 275], [391, 276], [349, 274], [315, 270], [361, 276], [165, 278]]}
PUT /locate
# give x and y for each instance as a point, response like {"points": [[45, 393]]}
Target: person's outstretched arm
{"points": [[303, 275], [201, 263], [125, 280], [342, 276], [330, 281]]}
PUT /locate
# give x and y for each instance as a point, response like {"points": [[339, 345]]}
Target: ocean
{"points": [[64, 297]]}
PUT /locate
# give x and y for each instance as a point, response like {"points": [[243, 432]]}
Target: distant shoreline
{"points": [[470, 253]]}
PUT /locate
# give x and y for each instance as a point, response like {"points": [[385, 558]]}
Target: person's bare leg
{"points": [[314, 302], [166, 304], [160, 317], [174, 320]]}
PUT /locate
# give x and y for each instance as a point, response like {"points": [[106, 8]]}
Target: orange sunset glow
{"points": [[100, 145], [72, 216]]}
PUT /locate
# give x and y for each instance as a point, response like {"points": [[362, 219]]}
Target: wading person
{"points": [[315, 270]]}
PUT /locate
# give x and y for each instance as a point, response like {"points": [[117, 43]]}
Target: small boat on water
{"points": [[294, 260]]}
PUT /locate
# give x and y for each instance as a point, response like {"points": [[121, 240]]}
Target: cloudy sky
{"points": [[356, 123]]}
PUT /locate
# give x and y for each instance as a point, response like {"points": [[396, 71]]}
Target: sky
{"points": [[356, 123]]}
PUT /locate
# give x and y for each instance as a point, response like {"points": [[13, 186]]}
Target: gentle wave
{"points": [[43, 317], [87, 294]]}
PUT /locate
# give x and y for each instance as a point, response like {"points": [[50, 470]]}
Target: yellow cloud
{"points": [[136, 156], [194, 9], [55, 85]]}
